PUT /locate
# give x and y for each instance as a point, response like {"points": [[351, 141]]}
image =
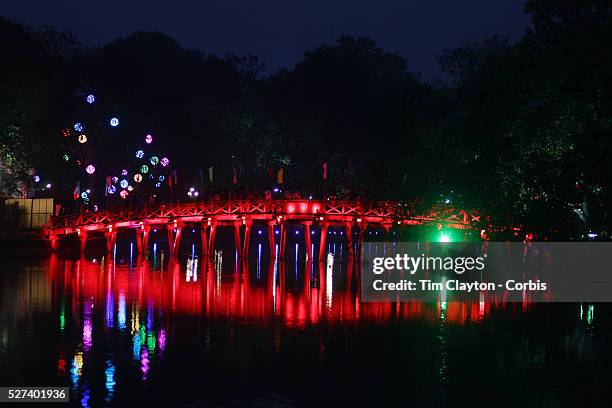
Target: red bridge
{"points": [[242, 215]]}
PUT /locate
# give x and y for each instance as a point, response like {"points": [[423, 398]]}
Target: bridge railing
{"points": [[385, 211]]}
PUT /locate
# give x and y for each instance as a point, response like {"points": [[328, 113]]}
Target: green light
{"points": [[62, 321], [144, 168], [444, 238], [151, 341]]}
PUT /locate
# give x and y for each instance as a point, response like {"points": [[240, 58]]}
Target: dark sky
{"points": [[279, 31]]}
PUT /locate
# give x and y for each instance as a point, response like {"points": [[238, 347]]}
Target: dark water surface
{"points": [[179, 332]]}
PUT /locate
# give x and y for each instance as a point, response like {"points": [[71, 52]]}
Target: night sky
{"points": [[279, 31]]}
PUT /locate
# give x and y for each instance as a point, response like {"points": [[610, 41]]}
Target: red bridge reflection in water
{"points": [[187, 287]]}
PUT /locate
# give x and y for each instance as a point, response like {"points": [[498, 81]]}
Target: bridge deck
{"points": [[331, 212]]}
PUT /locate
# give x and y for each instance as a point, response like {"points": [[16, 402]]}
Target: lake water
{"points": [[146, 331]]}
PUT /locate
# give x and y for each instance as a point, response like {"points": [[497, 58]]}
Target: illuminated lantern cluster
{"points": [[137, 173], [193, 193]]}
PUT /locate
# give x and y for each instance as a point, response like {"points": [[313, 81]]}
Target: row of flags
{"points": [[173, 178]]}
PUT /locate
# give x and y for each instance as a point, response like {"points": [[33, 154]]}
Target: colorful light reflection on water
{"points": [[119, 332]]}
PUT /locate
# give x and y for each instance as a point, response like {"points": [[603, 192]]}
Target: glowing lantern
{"points": [[158, 185], [82, 138], [165, 161], [65, 157], [114, 122], [137, 177], [66, 132], [139, 154], [124, 172], [112, 189], [154, 160], [36, 179], [148, 139], [123, 194], [144, 169], [162, 178], [130, 188], [78, 127], [84, 195], [90, 99], [123, 183], [115, 179], [90, 169]]}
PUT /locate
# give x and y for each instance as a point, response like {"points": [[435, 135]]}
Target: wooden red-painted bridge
{"points": [[243, 214]]}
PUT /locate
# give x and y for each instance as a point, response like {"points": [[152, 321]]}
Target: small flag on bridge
{"points": [[77, 191]]}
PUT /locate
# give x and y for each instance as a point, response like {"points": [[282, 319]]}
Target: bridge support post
{"points": [[237, 239], [139, 234], [170, 231], [211, 244], [82, 241], [349, 238], [247, 238], [146, 233], [362, 229], [323, 242], [271, 239], [307, 240], [54, 241], [177, 240], [110, 237], [283, 239], [204, 240]]}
